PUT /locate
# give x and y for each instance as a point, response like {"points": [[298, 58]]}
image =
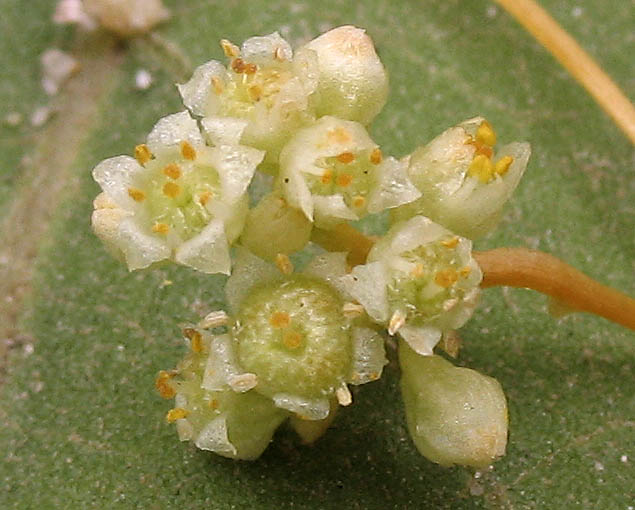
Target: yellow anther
{"points": [[417, 271], [171, 189], [483, 149], [238, 65], [338, 135], [280, 320], [283, 263], [178, 413], [196, 339], [187, 151], [376, 156], [142, 154], [502, 165], [213, 404], [486, 134], [359, 201], [163, 386], [205, 197], [344, 180], [250, 68], [465, 271], [291, 339], [450, 243], [345, 157], [173, 171], [482, 168], [327, 176], [160, 228], [446, 277], [217, 85], [230, 49], [255, 92], [136, 194]]}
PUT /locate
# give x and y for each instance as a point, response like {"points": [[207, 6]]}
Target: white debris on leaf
{"points": [[13, 119], [419, 281], [142, 79], [127, 18], [41, 116], [57, 67], [179, 199]]}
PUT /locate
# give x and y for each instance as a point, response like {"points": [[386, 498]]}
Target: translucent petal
{"points": [[208, 251], [214, 438], [197, 93], [316, 409], [172, 130], [421, 339], [223, 130], [115, 176], [140, 249], [392, 188], [221, 364], [248, 271], [265, 47], [236, 166], [367, 284], [331, 210], [369, 356], [330, 267]]}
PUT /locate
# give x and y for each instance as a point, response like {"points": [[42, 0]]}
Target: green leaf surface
{"points": [[80, 423]]}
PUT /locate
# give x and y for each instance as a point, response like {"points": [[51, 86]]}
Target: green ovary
{"points": [[179, 202], [293, 336], [351, 179], [434, 278]]}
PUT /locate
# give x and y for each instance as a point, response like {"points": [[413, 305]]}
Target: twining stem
{"points": [[571, 55], [513, 267], [521, 267]]}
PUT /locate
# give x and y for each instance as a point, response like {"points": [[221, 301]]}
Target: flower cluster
{"points": [[290, 343]]}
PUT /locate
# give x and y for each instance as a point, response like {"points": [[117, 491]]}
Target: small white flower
{"points": [[465, 183], [332, 171], [179, 199], [127, 17], [419, 281], [264, 92]]}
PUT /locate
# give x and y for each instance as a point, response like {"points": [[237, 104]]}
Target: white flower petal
{"points": [[221, 364], [172, 130], [393, 187], [140, 249], [115, 176], [265, 47], [331, 208], [208, 251], [236, 166], [367, 284], [224, 130], [421, 339], [316, 409], [198, 94], [248, 271], [369, 356], [214, 438], [330, 267]]}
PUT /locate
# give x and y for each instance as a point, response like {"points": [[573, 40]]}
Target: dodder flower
{"points": [[420, 281], [264, 92], [179, 199], [465, 182], [332, 171]]}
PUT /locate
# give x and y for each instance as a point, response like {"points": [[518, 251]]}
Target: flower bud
{"points": [[455, 415], [353, 83]]}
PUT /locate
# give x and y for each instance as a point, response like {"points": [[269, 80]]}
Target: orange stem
{"points": [[520, 267]]}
